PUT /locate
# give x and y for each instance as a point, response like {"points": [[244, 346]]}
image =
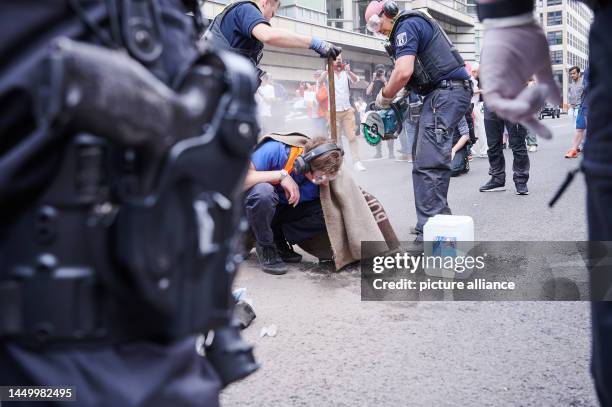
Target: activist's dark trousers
{"points": [[597, 166], [271, 221], [494, 129], [431, 171]]}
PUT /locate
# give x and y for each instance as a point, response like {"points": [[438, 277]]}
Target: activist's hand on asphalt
{"points": [[382, 102], [292, 191], [325, 49], [510, 56]]}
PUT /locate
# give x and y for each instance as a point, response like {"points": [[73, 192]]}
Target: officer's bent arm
{"points": [[402, 72], [278, 37], [254, 177]]}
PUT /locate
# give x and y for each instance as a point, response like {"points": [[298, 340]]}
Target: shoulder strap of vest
{"points": [[409, 14], [293, 154], [232, 6]]}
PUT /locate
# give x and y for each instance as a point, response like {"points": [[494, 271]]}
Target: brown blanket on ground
{"points": [[351, 215]]}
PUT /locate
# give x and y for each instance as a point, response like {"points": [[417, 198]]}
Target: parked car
{"points": [[550, 110]]}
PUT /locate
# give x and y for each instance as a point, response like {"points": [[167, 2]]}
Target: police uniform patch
{"points": [[401, 40]]}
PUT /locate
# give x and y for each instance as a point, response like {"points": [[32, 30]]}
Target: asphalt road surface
{"points": [[332, 349]]}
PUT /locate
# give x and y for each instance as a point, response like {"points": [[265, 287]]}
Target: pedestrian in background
{"points": [[378, 82], [299, 92], [581, 118], [479, 149], [345, 113], [494, 127], [411, 124], [361, 107], [532, 137], [265, 99], [309, 100], [575, 89], [322, 98], [532, 141]]}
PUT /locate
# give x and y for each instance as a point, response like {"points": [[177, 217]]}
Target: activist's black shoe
{"points": [[521, 189], [493, 186], [269, 260], [285, 250]]}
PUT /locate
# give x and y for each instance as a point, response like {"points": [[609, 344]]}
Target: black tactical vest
{"points": [[121, 202], [215, 39], [438, 59]]}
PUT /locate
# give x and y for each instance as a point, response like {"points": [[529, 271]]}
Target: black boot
{"points": [[269, 260], [285, 250]]}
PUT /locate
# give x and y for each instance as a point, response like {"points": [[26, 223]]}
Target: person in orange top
{"points": [[322, 98]]}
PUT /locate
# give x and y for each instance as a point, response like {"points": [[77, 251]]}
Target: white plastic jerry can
{"points": [[446, 238]]}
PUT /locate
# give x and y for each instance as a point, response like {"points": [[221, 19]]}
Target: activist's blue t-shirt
{"points": [[413, 36], [237, 25], [272, 156]]}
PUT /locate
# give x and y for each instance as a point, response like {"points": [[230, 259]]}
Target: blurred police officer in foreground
{"points": [[509, 25], [122, 155], [427, 63], [244, 27]]}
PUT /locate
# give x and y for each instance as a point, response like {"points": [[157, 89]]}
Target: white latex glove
{"points": [[510, 56], [382, 102]]}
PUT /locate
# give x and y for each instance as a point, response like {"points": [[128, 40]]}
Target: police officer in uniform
{"points": [[244, 27], [116, 243], [427, 63]]}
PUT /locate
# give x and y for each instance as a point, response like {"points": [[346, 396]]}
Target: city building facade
{"points": [[566, 23], [478, 30]]}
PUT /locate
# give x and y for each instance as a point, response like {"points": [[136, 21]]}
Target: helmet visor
{"points": [[374, 23]]}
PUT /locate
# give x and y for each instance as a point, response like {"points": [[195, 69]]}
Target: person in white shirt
{"points": [[265, 97], [345, 114], [480, 148]]}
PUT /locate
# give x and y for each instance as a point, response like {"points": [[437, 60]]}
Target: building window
{"points": [[553, 2], [556, 57], [554, 37], [558, 76], [554, 17], [359, 20]]}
